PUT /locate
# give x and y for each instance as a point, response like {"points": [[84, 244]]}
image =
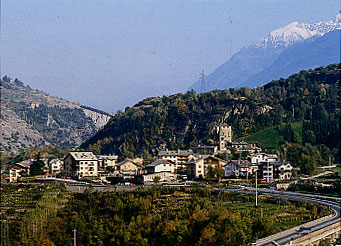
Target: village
{"points": [[170, 166]]}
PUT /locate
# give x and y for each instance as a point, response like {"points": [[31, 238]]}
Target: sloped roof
{"points": [[83, 156], [194, 161], [205, 147], [26, 163], [264, 154], [126, 161], [158, 162], [19, 165], [270, 163], [243, 163], [107, 157], [175, 152], [239, 143], [213, 157]]}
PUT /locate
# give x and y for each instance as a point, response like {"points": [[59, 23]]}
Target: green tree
{"points": [[37, 168], [210, 172], [156, 179], [307, 164], [219, 172]]}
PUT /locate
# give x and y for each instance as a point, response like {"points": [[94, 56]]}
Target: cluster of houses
{"points": [[169, 165]]}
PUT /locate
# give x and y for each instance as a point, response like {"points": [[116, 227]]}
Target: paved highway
{"points": [[285, 237]]}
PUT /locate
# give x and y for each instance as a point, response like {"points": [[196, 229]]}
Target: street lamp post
{"points": [[256, 192], [74, 237]]}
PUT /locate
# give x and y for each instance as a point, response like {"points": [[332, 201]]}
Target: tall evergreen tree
{"points": [[37, 168]]}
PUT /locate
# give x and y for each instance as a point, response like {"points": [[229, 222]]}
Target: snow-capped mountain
{"points": [[262, 54], [297, 32], [311, 53]]}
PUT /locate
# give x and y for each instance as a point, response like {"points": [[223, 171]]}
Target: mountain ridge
{"points": [[181, 121], [258, 56], [311, 53], [31, 118], [298, 32]]}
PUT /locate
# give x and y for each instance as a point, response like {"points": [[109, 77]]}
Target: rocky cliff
{"points": [[31, 118]]}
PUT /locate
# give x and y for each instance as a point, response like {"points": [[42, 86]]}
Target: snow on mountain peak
{"points": [[338, 18], [297, 32]]}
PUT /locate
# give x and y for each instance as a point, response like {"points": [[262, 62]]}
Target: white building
{"points": [[128, 168], [105, 161], [56, 166], [262, 157], [176, 156], [80, 164], [161, 166], [17, 170], [199, 168], [238, 168], [244, 147], [196, 169], [283, 171], [163, 177], [266, 170], [224, 135]]}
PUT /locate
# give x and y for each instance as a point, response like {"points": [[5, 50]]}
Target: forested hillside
{"points": [[31, 118], [186, 120]]}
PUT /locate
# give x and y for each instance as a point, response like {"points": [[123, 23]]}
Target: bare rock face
{"points": [[31, 118], [16, 134], [100, 120]]}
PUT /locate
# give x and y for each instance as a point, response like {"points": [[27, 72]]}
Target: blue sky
{"points": [[110, 54]]}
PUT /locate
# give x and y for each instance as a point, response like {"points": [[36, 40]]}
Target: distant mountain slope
{"points": [[240, 67], [186, 120], [31, 118], [311, 53], [259, 56]]}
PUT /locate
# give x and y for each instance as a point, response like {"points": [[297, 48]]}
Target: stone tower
{"points": [[224, 135]]}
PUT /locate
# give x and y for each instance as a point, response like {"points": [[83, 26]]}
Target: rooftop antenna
{"points": [[202, 77]]}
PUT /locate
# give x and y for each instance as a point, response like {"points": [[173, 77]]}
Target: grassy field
{"points": [[297, 128], [271, 138]]}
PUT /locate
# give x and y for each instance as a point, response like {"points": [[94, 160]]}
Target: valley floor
{"points": [[48, 214]]}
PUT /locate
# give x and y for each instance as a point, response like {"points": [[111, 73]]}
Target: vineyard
{"points": [[47, 215], [26, 210]]}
